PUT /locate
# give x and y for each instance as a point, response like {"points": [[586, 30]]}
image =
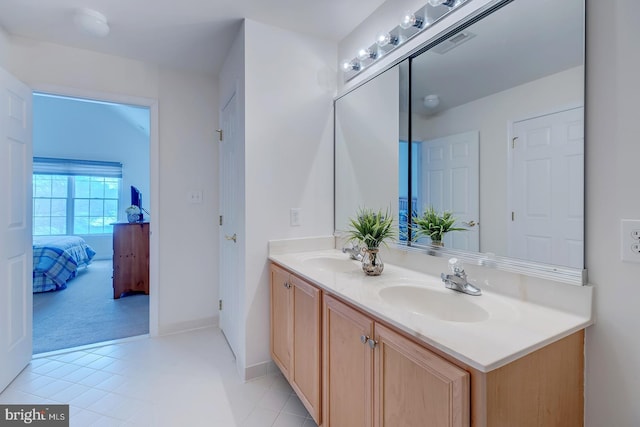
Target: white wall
{"points": [[187, 258], [491, 115], [289, 156], [74, 129], [4, 49], [367, 134], [613, 150]]}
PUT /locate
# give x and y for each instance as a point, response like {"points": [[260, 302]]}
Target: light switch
{"points": [[294, 217], [630, 240]]}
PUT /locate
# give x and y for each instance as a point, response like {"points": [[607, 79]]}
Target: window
{"points": [[75, 196]]}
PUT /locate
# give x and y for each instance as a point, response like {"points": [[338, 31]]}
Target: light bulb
{"points": [[384, 39], [409, 20], [449, 3], [364, 54], [350, 65]]}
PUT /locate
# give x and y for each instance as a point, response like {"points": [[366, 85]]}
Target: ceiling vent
{"points": [[453, 42]]}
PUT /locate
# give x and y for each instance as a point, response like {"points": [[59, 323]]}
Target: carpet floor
{"points": [[86, 313]]}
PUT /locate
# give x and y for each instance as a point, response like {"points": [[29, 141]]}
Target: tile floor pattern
{"points": [[186, 379]]}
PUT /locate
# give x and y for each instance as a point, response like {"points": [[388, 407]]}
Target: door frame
{"points": [[154, 179]]}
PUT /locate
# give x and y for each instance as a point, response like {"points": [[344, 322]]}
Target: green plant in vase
{"points": [[371, 229], [434, 225]]}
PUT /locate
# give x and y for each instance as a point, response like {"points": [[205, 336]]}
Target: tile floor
{"points": [[186, 379]]}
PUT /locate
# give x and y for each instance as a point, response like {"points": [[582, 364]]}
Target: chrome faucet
{"points": [[458, 280], [355, 252]]}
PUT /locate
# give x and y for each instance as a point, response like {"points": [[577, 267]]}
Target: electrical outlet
{"points": [[194, 196], [294, 217], [630, 240]]}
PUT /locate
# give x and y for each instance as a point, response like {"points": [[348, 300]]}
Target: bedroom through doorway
{"points": [[89, 157]]}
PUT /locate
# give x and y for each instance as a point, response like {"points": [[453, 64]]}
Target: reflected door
{"points": [[448, 176], [546, 192]]}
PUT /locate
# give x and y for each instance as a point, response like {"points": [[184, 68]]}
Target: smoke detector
{"points": [[91, 22]]}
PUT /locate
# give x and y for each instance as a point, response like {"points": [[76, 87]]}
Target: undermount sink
{"points": [[339, 264], [443, 305]]}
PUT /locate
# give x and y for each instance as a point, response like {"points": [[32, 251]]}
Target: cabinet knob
{"points": [[364, 339], [287, 285], [372, 343]]}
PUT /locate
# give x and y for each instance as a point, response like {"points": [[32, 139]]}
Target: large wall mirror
{"points": [[495, 119]]}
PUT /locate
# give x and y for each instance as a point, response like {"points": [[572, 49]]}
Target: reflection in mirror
{"points": [[497, 131], [367, 123]]}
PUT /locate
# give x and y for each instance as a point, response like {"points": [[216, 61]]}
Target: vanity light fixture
{"points": [[410, 19], [385, 39], [91, 22], [410, 25]]}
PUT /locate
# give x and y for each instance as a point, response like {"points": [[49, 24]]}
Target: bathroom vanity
{"points": [[401, 350]]}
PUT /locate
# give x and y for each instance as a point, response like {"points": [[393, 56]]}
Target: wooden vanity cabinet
{"points": [[374, 376], [296, 335], [347, 367]]}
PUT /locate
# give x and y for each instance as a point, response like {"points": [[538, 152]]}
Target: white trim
{"points": [[154, 179]]}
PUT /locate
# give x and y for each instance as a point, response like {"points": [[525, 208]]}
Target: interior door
{"points": [[16, 256], [547, 219], [449, 168], [230, 180]]}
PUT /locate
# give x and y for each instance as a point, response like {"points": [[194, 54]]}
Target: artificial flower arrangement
{"points": [[371, 229]]}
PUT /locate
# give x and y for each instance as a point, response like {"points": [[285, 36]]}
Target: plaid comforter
{"points": [[56, 260]]}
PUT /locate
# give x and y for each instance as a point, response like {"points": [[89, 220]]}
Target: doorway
{"points": [[87, 154]]}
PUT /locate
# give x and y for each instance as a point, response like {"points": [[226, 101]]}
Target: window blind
{"points": [[51, 166]]}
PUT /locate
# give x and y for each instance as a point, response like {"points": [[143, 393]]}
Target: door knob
{"points": [[234, 237], [471, 223]]}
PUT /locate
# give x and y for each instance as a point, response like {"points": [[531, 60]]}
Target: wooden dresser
{"points": [[130, 258]]}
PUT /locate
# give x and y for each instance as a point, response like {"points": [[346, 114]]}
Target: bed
{"points": [[56, 260]]}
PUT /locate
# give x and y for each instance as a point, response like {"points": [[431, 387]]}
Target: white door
{"points": [[230, 209], [16, 256], [546, 189], [450, 182]]}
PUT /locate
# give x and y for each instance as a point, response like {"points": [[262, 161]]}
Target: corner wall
{"points": [[288, 159], [612, 153]]}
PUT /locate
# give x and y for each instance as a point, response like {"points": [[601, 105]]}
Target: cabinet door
{"points": [[306, 368], [415, 387], [281, 328], [348, 366]]}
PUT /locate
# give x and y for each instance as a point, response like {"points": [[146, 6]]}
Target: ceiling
{"points": [[184, 34], [524, 41]]}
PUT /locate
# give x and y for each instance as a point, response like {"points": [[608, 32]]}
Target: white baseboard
{"points": [[189, 325], [260, 370]]}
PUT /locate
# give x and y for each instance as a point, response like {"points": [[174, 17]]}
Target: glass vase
{"points": [[372, 264]]}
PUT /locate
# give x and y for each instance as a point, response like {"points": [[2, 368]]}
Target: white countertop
{"points": [[508, 329]]}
